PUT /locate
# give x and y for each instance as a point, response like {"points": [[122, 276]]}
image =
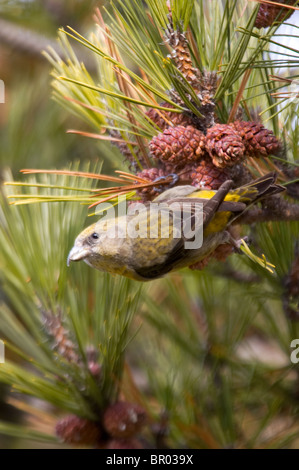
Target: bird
{"points": [[108, 244]]}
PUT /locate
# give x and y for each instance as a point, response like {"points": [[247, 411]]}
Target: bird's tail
{"points": [[254, 191], [258, 189]]}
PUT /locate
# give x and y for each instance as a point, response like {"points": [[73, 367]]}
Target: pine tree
{"points": [[185, 92]]}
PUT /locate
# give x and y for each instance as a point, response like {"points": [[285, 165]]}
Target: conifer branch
{"points": [[277, 209]]}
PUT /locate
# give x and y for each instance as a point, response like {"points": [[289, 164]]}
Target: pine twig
{"points": [[277, 209]]}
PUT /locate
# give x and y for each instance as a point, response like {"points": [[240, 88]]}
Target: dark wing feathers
{"points": [[231, 206], [265, 186], [179, 251]]}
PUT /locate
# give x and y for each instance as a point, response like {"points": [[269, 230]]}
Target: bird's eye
{"points": [[95, 236]]}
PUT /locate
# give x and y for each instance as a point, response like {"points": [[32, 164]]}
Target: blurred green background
{"points": [[32, 125]]}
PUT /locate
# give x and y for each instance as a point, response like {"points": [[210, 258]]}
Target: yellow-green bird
{"points": [[151, 243]]}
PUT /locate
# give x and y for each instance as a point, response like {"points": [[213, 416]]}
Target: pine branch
{"points": [[277, 209]]}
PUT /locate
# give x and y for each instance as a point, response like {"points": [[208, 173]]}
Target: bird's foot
{"points": [[174, 177], [238, 243]]}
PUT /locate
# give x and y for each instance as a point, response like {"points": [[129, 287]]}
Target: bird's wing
{"points": [[177, 191], [179, 251]]}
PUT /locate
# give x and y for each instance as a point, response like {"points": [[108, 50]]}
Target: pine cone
{"points": [[200, 265], [62, 342], [123, 444], [177, 119], [208, 86], [181, 56], [185, 175], [203, 84], [78, 431], [150, 175], [224, 145], [267, 13], [258, 140], [220, 254], [208, 176], [178, 145], [124, 420]]}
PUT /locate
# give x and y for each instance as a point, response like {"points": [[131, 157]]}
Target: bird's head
{"points": [[86, 245]]}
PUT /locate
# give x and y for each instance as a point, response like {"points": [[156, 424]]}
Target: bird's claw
{"points": [[238, 243], [175, 179]]}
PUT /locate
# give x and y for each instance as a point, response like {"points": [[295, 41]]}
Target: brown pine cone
{"points": [[209, 82], [267, 13], [60, 336], [258, 140], [220, 254], [176, 119], [124, 420], [208, 176], [185, 175], [78, 431], [224, 145], [200, 265], [178, 146], [181, 56]]}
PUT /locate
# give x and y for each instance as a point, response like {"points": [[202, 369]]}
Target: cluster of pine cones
{"points": [[118, 425], [201, 151], [195, 148], [204, 159], [117, 428]]}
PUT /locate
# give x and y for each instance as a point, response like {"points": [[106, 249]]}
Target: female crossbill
{"points": [[188, 224]]}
